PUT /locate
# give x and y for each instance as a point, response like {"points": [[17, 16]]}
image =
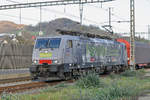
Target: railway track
{"points": [[11, 80], [32, 85], [29, 86], [21, 87]]}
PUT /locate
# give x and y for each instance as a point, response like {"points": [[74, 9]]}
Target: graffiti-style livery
{"points": [[63, 57]]}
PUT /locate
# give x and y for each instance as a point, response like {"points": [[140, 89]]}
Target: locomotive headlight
{"points": [[55, 61], [35, 61]]}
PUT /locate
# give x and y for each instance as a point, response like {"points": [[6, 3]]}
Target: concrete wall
{"points": [[14, 56]]}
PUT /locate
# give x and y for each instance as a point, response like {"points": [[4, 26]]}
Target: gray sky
{"points": [[93, 14]]}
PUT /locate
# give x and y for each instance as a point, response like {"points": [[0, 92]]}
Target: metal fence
{"points": [[14, 56]]}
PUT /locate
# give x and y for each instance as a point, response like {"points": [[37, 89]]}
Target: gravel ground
{"points": [[13, 71], [147, 95], [15, 83]]}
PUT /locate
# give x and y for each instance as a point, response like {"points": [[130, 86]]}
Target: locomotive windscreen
{"points": [[42, 43]]}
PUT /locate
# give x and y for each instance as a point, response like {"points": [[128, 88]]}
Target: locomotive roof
{"points": [[86, 34], [82, 37], [62, 36]]}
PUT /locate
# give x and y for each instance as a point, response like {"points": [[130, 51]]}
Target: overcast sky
{"points": [[93, 14]]}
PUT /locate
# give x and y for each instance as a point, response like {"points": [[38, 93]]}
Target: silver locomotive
{"points": [[64, 57]]}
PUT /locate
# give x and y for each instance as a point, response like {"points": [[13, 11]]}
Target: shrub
{"points": [[113, 76], [128, 73], [88, 81], [81, 97], [61, 85], [115, 92], [141, 72], [9, 96]]}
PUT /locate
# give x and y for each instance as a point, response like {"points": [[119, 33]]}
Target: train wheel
{"points": [[68, 76], [123, 68], [117, 69], [33, 76]]}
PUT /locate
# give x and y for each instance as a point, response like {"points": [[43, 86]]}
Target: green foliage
{"points": [[89, 81], [130, 73], [82, 96], [115, 91], [9, 96], [48, 89], [141, 72], [61, 85], [118, 91], [114, 76], [92, 87]]}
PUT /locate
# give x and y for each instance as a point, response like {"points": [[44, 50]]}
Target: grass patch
{"points": [[89, 81], [61, 85], [92, 87], [131, 73], [128, 73], [114, 76]]}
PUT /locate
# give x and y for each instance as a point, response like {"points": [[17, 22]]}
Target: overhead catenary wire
{"points": [[20, 10], [81, 12], [67, 14], [58, 12], [13, 16], [49, 3], [40, 19], [54, 11], [78, 17], [121, 18]]}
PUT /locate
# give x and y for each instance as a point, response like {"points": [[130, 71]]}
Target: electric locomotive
{"points": [[64, 57]]}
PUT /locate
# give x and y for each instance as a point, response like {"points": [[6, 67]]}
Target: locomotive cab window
{"points": [[54, 42], [47, 43], [69, 44]]}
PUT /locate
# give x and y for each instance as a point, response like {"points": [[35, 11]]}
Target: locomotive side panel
{"points": [[105, 53], [124, 56], [114, 53], [68, 51]]}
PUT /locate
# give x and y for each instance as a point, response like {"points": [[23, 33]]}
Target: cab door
{"points": [[68, 54]]}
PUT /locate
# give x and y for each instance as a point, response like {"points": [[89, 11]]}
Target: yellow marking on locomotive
{"points": [[45, 54]]}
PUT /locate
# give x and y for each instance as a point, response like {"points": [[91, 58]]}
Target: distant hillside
{"points": [[49, 28], [8, 26]]}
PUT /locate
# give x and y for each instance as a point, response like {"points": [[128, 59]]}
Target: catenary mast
{"points": [[132, 34]]}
